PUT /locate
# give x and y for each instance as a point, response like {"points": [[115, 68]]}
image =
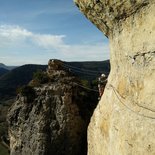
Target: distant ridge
{"points": [[19, 76], [16, 78], [7, 67], [3, 71]]}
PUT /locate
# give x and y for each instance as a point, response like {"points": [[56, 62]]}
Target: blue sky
{"points": [[34, 31]]}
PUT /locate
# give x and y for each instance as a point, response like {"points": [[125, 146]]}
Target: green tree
{"points": [[28, 92], [40, 77]]}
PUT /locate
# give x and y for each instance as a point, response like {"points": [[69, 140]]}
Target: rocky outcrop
{"points": [[124, 121], [54, 121]]}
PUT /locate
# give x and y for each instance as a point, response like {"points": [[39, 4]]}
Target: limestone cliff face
{"points": [[124, 121], [54, 122]]}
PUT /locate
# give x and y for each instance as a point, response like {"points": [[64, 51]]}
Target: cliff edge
{"points": [[124, 121], [52, 117]]}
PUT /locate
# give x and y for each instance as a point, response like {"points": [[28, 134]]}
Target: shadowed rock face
{"points": [[55, 123], [106, 14], [124, 120]]}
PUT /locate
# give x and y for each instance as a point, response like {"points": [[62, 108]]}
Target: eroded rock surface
{"points": [[124, 121], [55, 121]]}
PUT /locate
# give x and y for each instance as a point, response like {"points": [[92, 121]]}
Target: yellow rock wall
{"points": [[124, 121]]}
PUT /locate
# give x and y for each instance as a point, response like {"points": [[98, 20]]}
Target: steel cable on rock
{"points": [[118, 94], [86, 87], [90, 72], [85, 74]]}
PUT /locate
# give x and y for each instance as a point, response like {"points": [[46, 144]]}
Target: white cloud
{"points": [[13, 33], [17, 34], [26, 44], [99, 51], [48, 41]]}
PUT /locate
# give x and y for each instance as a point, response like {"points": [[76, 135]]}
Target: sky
{"points": [[34, 31]]}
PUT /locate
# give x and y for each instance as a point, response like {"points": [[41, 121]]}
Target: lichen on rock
{"points": [[55, 122]]}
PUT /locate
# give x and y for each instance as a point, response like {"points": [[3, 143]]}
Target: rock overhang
{"points": [[122, 122], [106, 14]]}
